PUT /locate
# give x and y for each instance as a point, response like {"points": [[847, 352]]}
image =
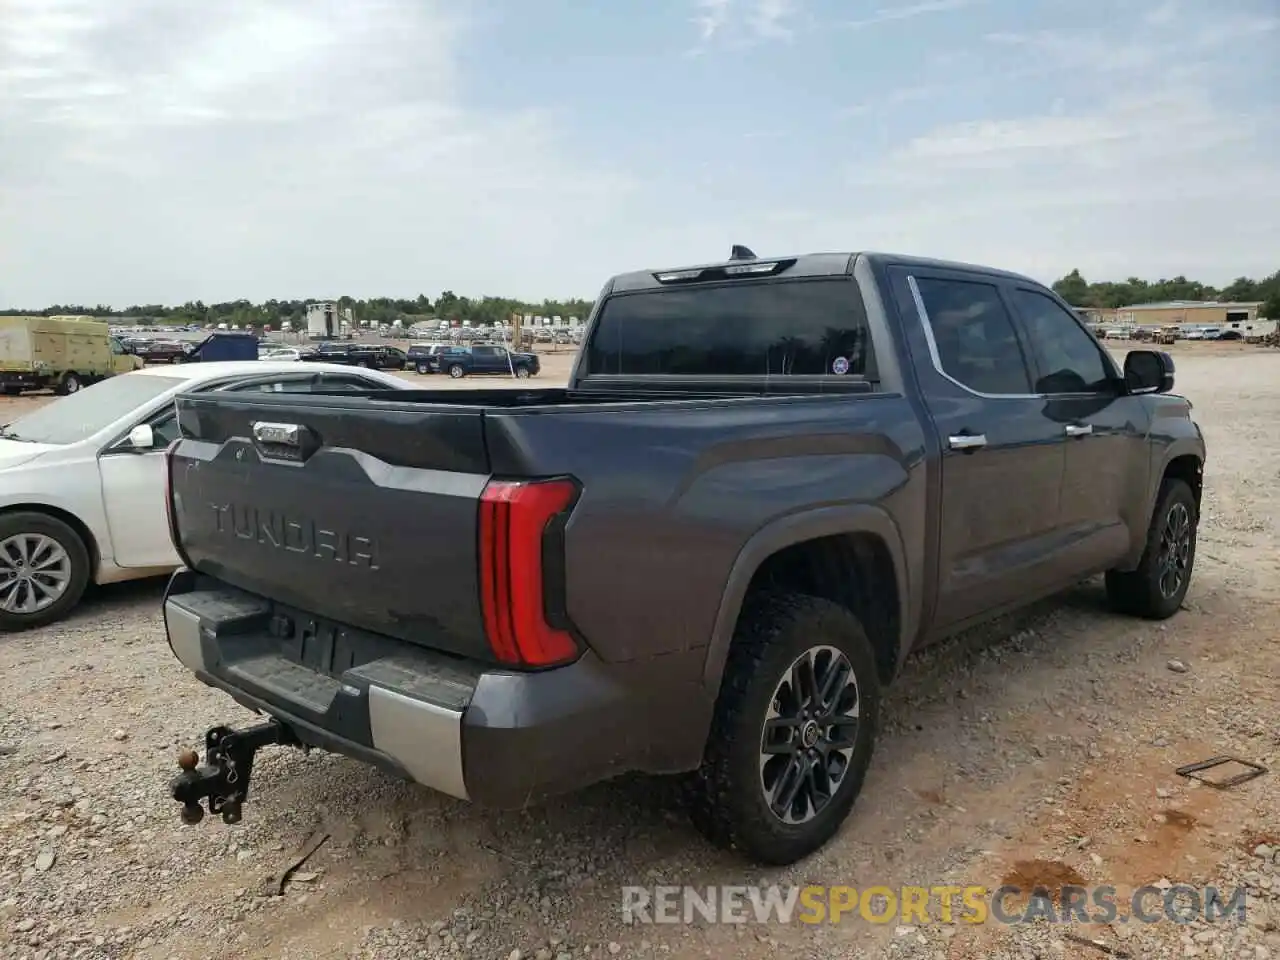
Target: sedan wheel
{"points": [[44, 568]]}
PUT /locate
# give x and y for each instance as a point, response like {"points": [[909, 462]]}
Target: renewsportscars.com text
{"points": [[924, 905]]}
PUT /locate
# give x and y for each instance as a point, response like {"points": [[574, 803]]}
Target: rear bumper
{"points": [[494, 737]]}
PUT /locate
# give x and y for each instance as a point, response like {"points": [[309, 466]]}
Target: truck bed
{"points": [[368, 512]]}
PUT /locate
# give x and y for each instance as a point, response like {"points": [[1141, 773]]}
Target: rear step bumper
{"points": [[495, 737]]}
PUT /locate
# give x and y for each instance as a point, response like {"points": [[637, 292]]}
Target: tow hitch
{"points": [[224, 776]]}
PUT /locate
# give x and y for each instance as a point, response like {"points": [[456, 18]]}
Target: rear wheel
{"points": [[44, 569], [1156, 588], [423, 368], [522, 373], [793, 730], [70, 383], [13, 391], [456, 371]]}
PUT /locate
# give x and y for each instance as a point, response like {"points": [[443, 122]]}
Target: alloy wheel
{"points": [[1175, 550], [807, 743], [35, 572]]}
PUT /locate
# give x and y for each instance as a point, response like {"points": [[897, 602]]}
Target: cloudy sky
{"points": [[158, 151]]}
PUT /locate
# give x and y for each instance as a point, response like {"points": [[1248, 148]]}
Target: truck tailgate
{"points": [[364, 515]]}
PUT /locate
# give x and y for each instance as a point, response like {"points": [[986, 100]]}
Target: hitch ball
{"points": [[188, 759]]}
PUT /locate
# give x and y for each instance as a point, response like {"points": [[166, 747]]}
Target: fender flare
{"points": [[1182, 447], [796, 528]]}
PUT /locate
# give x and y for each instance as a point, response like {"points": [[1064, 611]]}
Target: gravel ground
{"points": [[1042, 746]]}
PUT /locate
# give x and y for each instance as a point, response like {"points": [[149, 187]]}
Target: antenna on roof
{"points": [[739, 252]]}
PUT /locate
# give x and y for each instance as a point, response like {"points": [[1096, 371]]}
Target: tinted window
{"points": [[165, 429], [800, 327], [974, 335], [1068, 358]]}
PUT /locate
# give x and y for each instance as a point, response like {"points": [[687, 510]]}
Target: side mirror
{"points": [[142, 437], [1148, 371]]}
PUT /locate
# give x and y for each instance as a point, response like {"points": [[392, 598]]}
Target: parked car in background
{"points": [[164, 351], [280, 353], [82, 479], [375, 356], [485, 358], [419, 355]]}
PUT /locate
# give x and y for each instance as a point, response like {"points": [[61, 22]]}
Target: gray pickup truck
{"points": [[766, 483]]}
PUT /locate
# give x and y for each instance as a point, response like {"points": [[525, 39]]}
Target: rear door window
{"points": [[796, 328], [973, 336]]}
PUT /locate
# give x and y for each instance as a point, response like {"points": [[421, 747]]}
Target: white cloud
{"points": [[910, 11], [157, 151], [768, 19], [1152, 181], [711, 16], [743, 23]]}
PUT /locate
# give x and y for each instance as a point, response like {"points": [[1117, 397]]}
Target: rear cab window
{"points": [[744, 328]]}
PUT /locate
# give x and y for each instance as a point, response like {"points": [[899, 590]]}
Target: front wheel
{"points": [[793, 730], [44, 569], [456, 371], [1156, 588], [522, 373]]}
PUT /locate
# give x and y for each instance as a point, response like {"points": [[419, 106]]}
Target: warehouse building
{"points": [[1190, 313]]}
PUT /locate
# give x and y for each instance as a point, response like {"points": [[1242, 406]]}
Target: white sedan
{"points": [[282, 353], [82, 479]]}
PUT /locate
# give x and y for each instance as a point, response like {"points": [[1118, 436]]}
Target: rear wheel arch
{"points": [[851, 555]]}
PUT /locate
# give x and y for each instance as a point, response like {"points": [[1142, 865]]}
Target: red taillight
{"points": [[514, 516]]}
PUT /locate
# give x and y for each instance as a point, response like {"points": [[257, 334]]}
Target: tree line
{"points": [[485, 311], [482, 311], [1078, 292]]}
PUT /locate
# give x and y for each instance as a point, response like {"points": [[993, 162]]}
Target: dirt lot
{"points": [[1041, 748]]}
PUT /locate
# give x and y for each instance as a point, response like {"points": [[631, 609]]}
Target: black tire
{"points": [[728, 802], [43, 525], [522, 373], [362, 363], [1145, 591], [13, 391], [423, 369], [69, 384], [456, 371]]}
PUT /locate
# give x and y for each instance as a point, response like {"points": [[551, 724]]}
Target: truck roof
{"points": [[804, 265]]}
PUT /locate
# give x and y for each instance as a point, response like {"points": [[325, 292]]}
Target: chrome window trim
{"points": [[936, 360]]}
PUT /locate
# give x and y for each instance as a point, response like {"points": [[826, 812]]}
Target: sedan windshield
{"points": [[82, 414]]}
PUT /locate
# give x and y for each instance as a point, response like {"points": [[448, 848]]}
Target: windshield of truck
{"points": [[72, 418], [799, 327]]}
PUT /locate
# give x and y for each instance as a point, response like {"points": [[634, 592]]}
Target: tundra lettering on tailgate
{"points": [[295, 534]]}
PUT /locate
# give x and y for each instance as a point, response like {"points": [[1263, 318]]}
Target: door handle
{"points": [[967, 441], [1079, 429]]}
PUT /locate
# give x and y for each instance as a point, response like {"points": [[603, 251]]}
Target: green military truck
{"points": [[62, 353]]}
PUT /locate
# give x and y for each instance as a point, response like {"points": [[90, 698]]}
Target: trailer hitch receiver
{"points": [[223, 779]]}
